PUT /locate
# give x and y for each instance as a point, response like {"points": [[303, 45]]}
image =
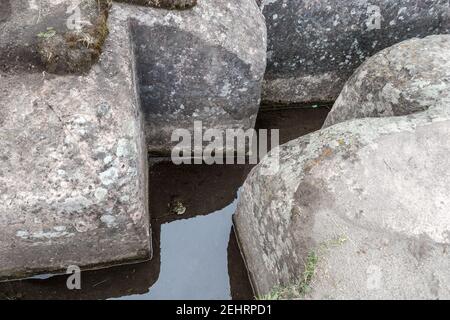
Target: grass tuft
{"points": [[300, 289]]}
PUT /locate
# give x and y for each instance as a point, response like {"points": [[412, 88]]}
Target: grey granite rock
{"points": [[203, 64], [359, 210], [405, 78], [315, 46], [165, 4], [73, 169], [356, 211]]}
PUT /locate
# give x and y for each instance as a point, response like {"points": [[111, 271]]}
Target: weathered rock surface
{"points": [[359, 210], [73, 186], [403, 79], [114, 282], [64, 36], [368, 199], [165, 4], [204, 64], [315, 46]]}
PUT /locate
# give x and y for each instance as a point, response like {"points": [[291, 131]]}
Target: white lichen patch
{"points": [[109, 220], [109, 176], [56, 232], [100, 194], [125, 148]]}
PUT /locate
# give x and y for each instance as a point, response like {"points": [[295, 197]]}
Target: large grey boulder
{"points": [[203, 64], [356, 211], [359, 210], [73, 172], [405, 78], [315, 46]]}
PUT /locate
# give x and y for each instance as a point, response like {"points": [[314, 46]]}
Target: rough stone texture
{"points": [[165, 4], [73, 169], [405, 78], [49, 34], [315, 46], [368, 198], [114, 282], [203, 64]]}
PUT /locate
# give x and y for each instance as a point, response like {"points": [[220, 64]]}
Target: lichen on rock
{"points": [[315, 46], [403, 79], [368, 193], [74, 191]]}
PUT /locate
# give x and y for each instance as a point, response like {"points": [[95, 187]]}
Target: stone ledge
{"points": [[73, 170], [163, 4]]}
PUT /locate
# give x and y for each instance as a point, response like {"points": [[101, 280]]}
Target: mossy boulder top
{"points": [[58, 36]]}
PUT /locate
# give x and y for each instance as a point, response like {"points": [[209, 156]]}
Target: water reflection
{"points": [[191, 251], [194, 249]]}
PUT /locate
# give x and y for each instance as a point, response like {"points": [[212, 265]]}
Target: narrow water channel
{"points": [[195, 250]]}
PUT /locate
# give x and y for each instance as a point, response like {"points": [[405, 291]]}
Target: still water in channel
{"points": [[197, 237], [196, 255]]}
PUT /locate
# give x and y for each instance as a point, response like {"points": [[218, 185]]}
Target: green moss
{"points": [[301, 288], [308, 274], [50, 32], [75, 51]]}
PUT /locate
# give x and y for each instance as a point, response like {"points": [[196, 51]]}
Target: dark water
{"points": [[196, 248], [196, 255]]}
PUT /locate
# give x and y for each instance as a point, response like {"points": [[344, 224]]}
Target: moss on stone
{"points": [[67, 51], [299, 289], [164, 4]]}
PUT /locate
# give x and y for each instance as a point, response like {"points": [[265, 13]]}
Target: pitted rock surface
{"points": [[73, 170], [315, 46]]}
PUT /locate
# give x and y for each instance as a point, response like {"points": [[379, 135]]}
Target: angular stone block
{"points": [[203, 64], [73, 169]]}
